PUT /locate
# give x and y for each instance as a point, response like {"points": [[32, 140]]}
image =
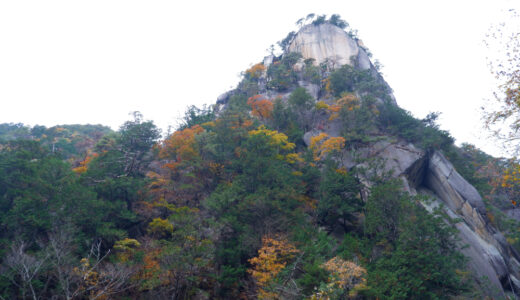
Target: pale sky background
{"points": [[78, 62]]}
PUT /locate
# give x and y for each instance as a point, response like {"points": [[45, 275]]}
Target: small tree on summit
{"points": [[336, 20]]}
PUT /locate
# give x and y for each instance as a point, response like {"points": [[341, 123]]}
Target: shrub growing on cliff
{"points": [[336, 20], [196, 116], [285, 42], [321, 19], [418, 257], [281, 75], [349, 79], [311, 73], [425, 133], [339, 197]]}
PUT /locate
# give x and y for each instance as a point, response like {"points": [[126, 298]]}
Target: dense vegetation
{"points": [[220, 202], [234, 204], [226, 207]]}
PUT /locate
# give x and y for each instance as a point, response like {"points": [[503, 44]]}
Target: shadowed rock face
{"points": [[489, 255]]}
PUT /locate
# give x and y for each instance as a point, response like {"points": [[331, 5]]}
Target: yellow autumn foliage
{"points": [[321, 105], [344, 276], [275, 138], [271, 260], [160, 227], [322, 145], [293, 158]]}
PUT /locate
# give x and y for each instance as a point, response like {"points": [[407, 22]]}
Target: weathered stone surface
{"points": [[363, 61], [400, 157], [268, 60], [488, 252], [325, 42], [484, 259], [223, 98], [450, 186], [312, 89]]}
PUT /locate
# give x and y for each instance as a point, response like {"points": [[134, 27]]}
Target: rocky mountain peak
{"points": [[327, 43]]}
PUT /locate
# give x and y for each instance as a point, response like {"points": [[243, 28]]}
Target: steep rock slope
{"points": [[492, 260], [489, 254]]}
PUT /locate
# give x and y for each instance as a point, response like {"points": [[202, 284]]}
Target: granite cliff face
{"points": [[331, 46], [327, 43], [431, 174], [494, 263]]}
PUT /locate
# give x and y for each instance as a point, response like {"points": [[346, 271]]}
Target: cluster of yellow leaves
{"points": [[511, 181], [208, 124], [97, 284], [310, 204], [348, 101], [216, 168], [316, 140], [149, 268], [238, 123], [326, 83], [276, 138], [341, 171], [256, 71], [160, 227], [272, 258], [511, 177], [125, 248], [322, 145], [89, 276], [162, 203], [157, 180], [293, 158], [344, 276], [83, 165], [181, 145], [321, 105], [511, 240], [261, 108]]}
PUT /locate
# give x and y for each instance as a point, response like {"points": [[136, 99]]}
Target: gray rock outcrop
{"points": [[325, 43], [489, 255]]}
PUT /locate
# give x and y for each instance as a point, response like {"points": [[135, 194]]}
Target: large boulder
{"points": [[325, 43]]}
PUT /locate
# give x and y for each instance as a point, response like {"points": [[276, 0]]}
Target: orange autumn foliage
{"points": [[322, 145], [348, 101], [272, 258], [83, 165], [256, 71], [150, 267], [261, 108], [181, 145]]}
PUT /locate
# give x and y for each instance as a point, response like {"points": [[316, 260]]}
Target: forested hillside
{"points": [[286, 188]]}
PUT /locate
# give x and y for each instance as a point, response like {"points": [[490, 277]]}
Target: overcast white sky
{"points": [[69, 62]]}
